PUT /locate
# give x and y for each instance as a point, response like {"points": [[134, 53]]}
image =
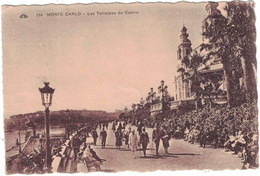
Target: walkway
{"points": [[183, 156]]}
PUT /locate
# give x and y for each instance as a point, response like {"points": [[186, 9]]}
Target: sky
{"points": [[98, 62]]}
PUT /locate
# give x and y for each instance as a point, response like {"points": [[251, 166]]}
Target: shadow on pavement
{"points": [[150, 149], [152, 157], [106, 148], [124, 149], [169, 155], [101, 145], [140, 149], [107, 170], [191, 154]]}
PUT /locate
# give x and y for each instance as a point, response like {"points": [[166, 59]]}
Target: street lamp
{"points": [[133, 111], [162, 89], [67, 126], [152, 94], [20, 147], [46, 95]]}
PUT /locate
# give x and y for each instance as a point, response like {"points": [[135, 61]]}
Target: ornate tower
{"points": [[184, 49], [182, 88]]}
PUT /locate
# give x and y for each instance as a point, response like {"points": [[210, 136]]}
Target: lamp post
{"points": [[20, 149], [162, 89], [46, 96], [152, 94], [67, 126], [133, 111]]}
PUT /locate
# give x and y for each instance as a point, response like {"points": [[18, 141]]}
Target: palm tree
{"points": [[242, 26], [190, 71], [232, 39]]}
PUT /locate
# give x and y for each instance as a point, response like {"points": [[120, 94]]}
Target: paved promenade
{"points": [[182, 156]]}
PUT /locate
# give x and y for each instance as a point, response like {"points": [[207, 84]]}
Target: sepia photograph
{"points": [[140, 87]]}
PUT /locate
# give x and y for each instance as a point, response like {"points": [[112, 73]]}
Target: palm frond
{"points": [[181, 70]]}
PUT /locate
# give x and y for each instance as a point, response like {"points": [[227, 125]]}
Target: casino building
{"points": [[183, 98]]}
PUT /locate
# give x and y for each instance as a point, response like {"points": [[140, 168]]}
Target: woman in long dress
{"points": [[133, 142], [119, 139]]}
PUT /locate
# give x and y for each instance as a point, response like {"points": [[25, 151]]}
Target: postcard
{"points": [[140, 87]]}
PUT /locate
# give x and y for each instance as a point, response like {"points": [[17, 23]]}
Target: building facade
{"points": [[182, 89], [212, 71]]}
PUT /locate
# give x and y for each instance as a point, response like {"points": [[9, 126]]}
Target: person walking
{"points": [[127, 133], [124, 125], [165, 139], [114, 126], [95, 136], [144, 140], [156, 137], [119, 137], [119, 126], [103, 135], [139, 128], [133, 142]]}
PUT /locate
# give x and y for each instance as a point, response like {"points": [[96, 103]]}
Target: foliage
{"points": [[240, 118], [57, 118], [227, 36]]}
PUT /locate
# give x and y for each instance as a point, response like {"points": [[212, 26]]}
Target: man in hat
{"points": [[95, 136], [103, 136], [156, 137], [144, 140]]}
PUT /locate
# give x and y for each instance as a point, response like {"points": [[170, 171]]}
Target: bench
{"points": [[89, 164]]}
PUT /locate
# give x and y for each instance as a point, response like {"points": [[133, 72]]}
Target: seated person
{"points": [[239, 142], [186, 134], [94, 155], [228, 144], [91, 160]]}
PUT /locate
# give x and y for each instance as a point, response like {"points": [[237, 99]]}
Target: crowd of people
{"points": [[137, 137], [82, 146], [234, 129]]}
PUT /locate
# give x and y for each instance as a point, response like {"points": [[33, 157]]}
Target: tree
{"points": [[126, 109], [231, 38], [141, 104], [190, 71], [242, 26], [150, 98]]}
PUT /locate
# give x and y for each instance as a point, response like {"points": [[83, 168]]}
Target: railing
{"points": [[62, 162]]}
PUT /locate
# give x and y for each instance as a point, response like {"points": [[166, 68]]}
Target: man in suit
{"points": [[103, 135], [156, 137], [144, 140], [95, 136]]}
